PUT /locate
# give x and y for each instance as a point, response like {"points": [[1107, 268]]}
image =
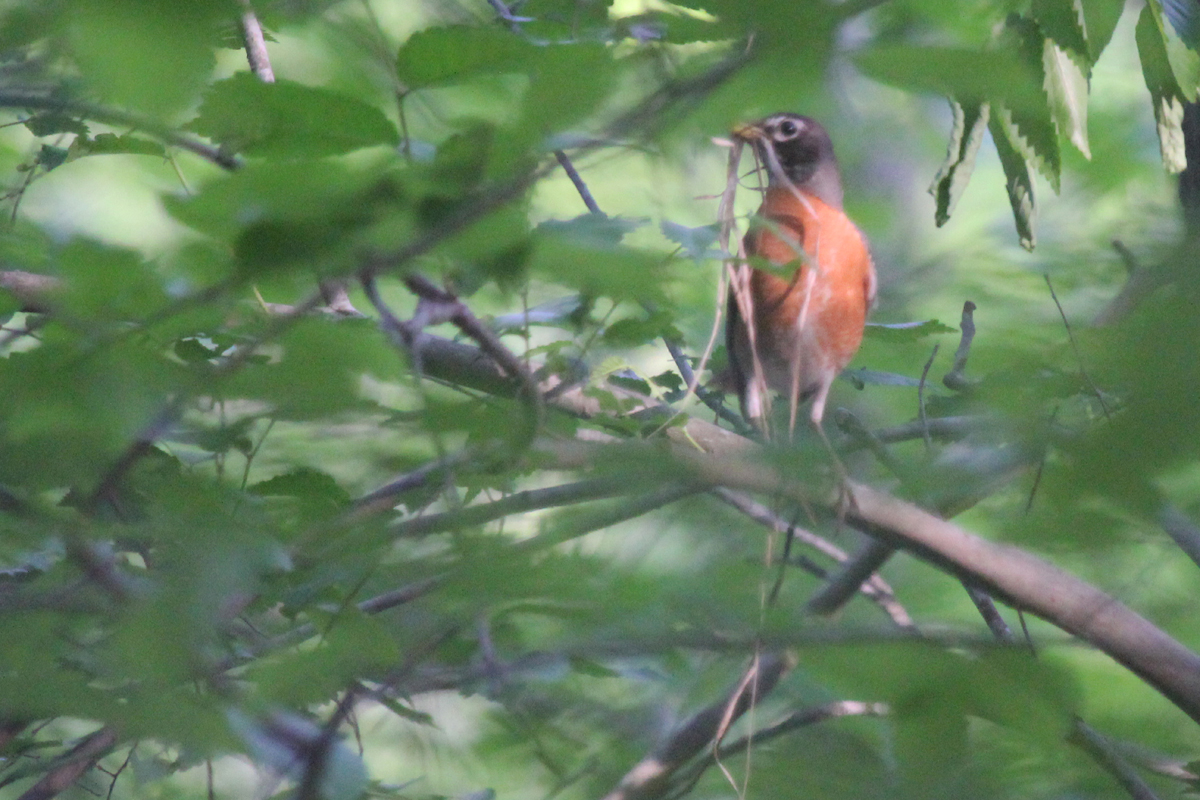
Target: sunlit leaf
{"points": [[970, 122], [1165, 93], [1067, 88], [1018, 180]]}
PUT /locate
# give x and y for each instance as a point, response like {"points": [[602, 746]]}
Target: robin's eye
{"points": [[788, 129]]}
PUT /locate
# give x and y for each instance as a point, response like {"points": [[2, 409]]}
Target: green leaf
{"points": [[1062, 21], [319, 369], [567, 84], [50, 157], [596, 230], [112, 144], [304, 483], [970, 122], [633, 332], [1165, 93], [1100, 18], [319, 193], [696, 242], [1067, 90], [148, 54], [51, 122], [1185, 61], [1030, 124], [1018, 180], [288, 119], [968, 75], [452, 54]]}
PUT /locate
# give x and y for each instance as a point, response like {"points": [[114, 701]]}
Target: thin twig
{"points": [[106, 489], [438, 305], [584, 193], [1096, 745], [921, 400], [16, 98], [73, 764], [649, 777], [1078, 358]]}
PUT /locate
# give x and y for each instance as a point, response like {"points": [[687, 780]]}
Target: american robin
{"points": [[795, 332]]}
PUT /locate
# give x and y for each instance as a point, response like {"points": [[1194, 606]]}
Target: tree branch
{"points": [[649, 778], [73, 764], [16, 98]]}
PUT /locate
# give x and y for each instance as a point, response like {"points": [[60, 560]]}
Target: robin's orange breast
{"points": [[810, 324]]}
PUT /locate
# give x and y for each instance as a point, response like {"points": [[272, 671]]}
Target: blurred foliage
{"points": [[195, 579]]}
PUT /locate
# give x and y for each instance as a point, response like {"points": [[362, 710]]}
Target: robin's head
{"points": [[798, 149]]}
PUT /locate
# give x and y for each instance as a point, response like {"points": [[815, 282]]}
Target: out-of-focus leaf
{"points": [[49, 156], [450, 54], [147, 54], [621, 273], [1100, 18], [319, 194], [52, 122], [1165, 93], [1067, 89], [1018, 180], [696, 242], [304, 483], [112, 144], [970, 122], [319, 369], [968, 75], [632, 332], [596, 230], [288, 119], [567, 84]]}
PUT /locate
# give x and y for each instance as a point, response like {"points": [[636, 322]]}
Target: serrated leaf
{"points": [[288, 119], [1018, 180], [970, 122], [1030, 124], [112, 144], [1165, 93], [1067, 90], [1062, 21]]}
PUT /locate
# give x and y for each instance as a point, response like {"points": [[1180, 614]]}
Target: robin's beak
{"points": [[748, 132]]}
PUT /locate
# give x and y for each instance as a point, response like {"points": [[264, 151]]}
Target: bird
{"points": [[797, 306]]}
